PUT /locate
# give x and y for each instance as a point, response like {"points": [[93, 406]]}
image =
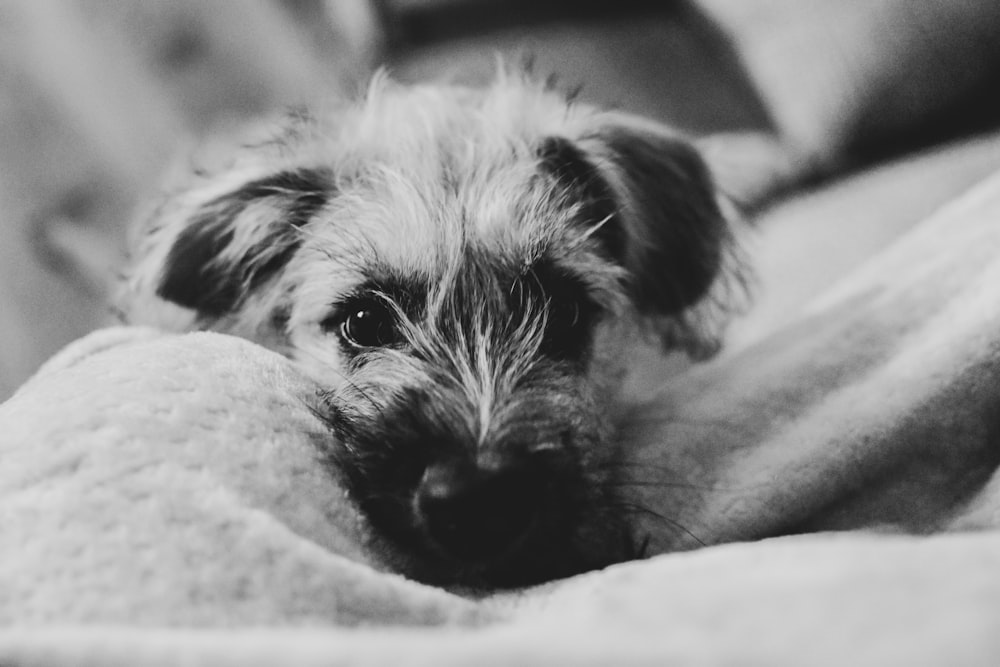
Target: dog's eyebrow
{"points": [[409, 295]]}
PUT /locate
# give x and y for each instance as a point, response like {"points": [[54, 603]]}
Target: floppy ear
{"points": [[210, 255], [665, 223]]}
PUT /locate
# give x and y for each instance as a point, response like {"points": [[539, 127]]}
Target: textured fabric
{"points": [[176, 480], [876, 407]]}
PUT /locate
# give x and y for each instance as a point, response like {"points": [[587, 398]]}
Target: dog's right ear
{"points": [[663, 219], [208, 254]]}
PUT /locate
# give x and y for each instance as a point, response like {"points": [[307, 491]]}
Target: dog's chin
{"points": [[566, 534], [555, 547]]}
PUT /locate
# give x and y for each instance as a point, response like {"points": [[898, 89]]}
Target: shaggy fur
{"points": [[461, 271]]}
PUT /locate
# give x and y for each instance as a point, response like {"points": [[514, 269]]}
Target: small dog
{"points": [[462, 271]]}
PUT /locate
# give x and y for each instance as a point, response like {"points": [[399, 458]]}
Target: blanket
{"points": [[162, 504]]}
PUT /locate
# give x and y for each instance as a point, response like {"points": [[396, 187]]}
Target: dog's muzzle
{"points": [[503, 509], [475, 512]]}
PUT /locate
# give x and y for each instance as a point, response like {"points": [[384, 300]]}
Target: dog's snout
{"points": [[475, 513]]}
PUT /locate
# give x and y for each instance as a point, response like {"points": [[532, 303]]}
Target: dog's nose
{"points": [[475, 514]]}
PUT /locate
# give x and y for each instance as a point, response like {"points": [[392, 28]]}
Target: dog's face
{"points": [[460, 271]]}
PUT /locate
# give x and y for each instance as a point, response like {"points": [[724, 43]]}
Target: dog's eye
{"points": [[368, 323], [567, 328], [564, 316]]}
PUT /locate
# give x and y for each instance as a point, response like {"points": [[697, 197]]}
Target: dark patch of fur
{"points": [[666, 230], [576, 174], [194, 277], [571, 314], [188, 277], [675, 233]]}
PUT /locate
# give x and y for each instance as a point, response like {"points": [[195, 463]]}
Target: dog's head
{"points": [[460, 270]]}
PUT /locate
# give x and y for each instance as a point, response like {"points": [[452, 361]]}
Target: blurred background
{"points": [[838, 123]]}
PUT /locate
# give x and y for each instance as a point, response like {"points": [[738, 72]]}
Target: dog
{"points": [[462, 271]]}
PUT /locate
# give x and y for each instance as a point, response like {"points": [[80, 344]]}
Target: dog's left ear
{"points": [[228, 246], [211, 245], [665, 222]]}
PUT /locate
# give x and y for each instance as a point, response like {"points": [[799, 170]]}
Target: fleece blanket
{"points": [[828, 495]]}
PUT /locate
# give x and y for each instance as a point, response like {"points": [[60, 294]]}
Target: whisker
{"points": [[657, 484], [325, 398], [642, 550], [634, 423], [639, 509]]}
